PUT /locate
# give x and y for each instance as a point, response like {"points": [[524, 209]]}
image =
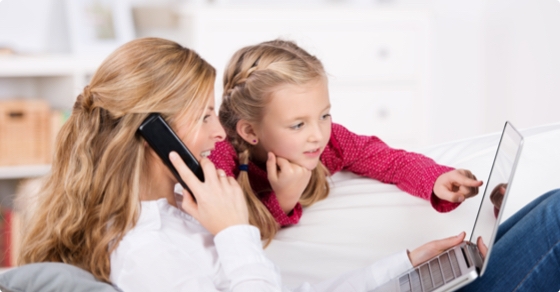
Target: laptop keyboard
{"points": [[431, 274]]}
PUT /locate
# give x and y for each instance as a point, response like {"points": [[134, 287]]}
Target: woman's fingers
{"points": [[219, 199], [482, 247], [180, 166], [189, 205], [188, 176], [221, 174], [433, 248]]}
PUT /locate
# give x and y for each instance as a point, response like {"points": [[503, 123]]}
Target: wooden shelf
{"points": [[23, 171]]}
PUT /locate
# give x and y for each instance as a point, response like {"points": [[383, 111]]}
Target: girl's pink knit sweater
{"points": [[363, 155]]}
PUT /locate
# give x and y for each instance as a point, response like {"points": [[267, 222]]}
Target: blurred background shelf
{"points": [[23, 171], [46, 65], [55, 78]]}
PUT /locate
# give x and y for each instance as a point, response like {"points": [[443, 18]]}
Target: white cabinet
{"points": [[57, 79], [377, 60]]}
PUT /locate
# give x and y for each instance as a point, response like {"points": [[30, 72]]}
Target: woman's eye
{"points": [[295, 127], [205, 118], [326, 116]]}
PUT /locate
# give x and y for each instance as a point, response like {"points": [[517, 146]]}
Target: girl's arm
{"points": [[368, 156]]}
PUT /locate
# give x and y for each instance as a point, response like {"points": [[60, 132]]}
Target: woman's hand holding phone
{"points": [[220, 202]]}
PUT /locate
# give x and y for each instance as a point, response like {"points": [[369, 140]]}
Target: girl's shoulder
{"points": [[223, 148], [339, 129], [339, 132], [224, 145], [224, 156]]}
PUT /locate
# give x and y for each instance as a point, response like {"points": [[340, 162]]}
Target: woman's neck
{"points": [[157, 183]]}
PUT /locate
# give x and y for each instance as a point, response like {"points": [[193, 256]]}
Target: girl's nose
{"points": [[316, 134]]}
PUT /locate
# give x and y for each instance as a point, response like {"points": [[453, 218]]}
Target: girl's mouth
{"points": [[313, 153]]}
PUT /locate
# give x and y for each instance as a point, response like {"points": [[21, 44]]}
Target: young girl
{"points": [[282, 145]]}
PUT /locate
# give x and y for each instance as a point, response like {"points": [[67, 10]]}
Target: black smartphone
{"points": [[163, 140]]}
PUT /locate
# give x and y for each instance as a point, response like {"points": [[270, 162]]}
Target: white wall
{"points": [[522, 44], [458, 63], [33, 26], [492, 60]]}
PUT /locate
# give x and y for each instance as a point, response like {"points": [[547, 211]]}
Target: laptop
{"points": [[462, 264]]}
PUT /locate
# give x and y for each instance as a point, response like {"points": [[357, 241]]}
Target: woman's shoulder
{"points": [[156, 252], [161, 225], [160, 219]]}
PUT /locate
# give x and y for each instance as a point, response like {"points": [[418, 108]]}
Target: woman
{"points": [[102, 169]]}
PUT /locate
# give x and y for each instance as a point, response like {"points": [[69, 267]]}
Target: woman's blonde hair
{"points": [[91, 197], [253, 74]]}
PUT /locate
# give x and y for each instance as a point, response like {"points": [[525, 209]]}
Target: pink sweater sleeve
{"points": [[224, 157], [271, 202], [369, 156]]}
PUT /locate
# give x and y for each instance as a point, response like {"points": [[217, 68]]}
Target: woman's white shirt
{"points": [[168, 250]]}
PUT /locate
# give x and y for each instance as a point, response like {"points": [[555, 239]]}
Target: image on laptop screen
{"points": [[501, 173]]}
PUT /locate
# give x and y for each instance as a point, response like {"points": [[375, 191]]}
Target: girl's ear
{"points": [[247, 132]]}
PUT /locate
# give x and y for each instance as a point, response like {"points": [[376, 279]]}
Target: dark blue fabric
{"points": [[526, 253]]}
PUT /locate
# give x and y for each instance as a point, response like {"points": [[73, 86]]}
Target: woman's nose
{"points": [[219, 132]]}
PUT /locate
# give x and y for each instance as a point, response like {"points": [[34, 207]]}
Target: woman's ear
{"points": [[247, 132]]}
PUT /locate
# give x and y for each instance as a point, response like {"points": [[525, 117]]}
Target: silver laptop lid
{"points": [[502, 171]]}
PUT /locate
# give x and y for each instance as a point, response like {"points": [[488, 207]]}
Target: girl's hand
{"points": [[288, 180], [433, 248], [456, 185], [219, 199]]}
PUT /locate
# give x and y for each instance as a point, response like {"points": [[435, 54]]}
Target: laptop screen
{"points": [[501, 173]]}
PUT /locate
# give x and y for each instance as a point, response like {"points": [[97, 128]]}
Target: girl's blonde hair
{"points": [[91, 197], [253, 74]]}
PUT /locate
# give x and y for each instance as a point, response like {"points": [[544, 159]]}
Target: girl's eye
{"points": [[295, 127], [205, 118], [325, 116]]}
